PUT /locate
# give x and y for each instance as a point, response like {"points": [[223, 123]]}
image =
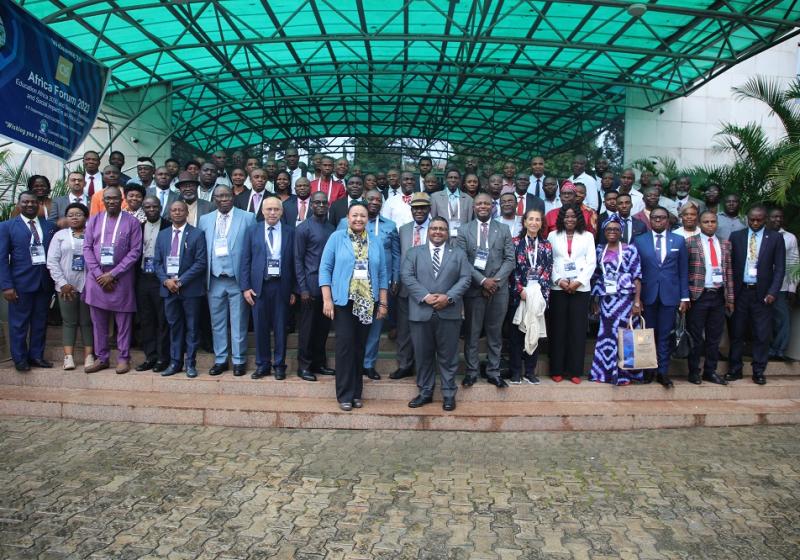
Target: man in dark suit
{"points": [[266, 279], [180, 264], [425, 166], [631, 227], [153, 327], [26, 284], [665, 285], [759, 264], [711, 291], [297, 207], [488, 246], [309, 242], [525, 200], [436, 276], [250, 200], [77, 193], [161, 190], [355, 193]]}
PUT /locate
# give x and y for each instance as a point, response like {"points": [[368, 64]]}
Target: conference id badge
{"points": [[78, 264], [752, 270], [360, 271], [173, 265], [610, 283], [273, 267], [570, 270], [37, 254], [149, 265], [220, 247], [716, 275], [481, 258], [107, 256], [454, 225]]}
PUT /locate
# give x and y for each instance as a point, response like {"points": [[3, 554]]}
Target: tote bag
{"points": [[637, 347]]}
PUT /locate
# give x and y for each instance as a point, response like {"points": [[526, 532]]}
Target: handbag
{"points": [[682, 341], [636, 347]]}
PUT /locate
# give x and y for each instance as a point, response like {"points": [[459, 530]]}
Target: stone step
{"points": [[253, 411], [395, 390]]}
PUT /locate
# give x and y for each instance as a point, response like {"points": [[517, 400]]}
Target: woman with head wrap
{"points": [[616, 285]]}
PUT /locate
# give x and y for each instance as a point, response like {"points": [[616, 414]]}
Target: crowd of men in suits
{"points": [[192, 256]]}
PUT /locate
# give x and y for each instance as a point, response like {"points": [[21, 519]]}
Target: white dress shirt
{"points": [[397, 210], [593, 195], [709, 283]]}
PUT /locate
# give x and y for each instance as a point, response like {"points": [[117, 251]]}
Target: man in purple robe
{"points": [[111, 248]]}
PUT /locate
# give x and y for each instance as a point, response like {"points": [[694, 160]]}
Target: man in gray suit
{"points": [[487, 244], [436, 275], [161, 190], [412, 234], [452, 203], [58, 211]]}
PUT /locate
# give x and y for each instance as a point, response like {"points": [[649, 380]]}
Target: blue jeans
{"points": [[781, 325], [373, 342]]}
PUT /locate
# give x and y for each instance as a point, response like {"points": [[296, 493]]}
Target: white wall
{"points": [[686, 128]]}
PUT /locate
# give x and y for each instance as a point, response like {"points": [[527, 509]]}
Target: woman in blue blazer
{"points": [[354, 283]]}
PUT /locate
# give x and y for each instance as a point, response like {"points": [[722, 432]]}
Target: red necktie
{"points": [[91, 185], [302, 210], [417, 239], [713, 253], [34, 233], [520, 206], [406, 198]]}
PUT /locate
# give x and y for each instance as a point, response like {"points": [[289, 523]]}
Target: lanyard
{"points": [[330, 186], [603, 260], [72, 239], [114, 234], [377, 224], [270, 246], [533, 262]]}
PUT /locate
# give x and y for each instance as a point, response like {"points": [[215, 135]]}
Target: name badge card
{"points": [[220, 247], [274, 267], [107, 256], [78, 263], [752, 270], [610, 283], [454, 225], [38, 255], [481, 258], [360, 271], [570, 270], [716, 275], [173, 265], [149, 265]]}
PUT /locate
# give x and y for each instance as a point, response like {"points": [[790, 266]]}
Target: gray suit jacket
{"points": [[59, 207], [454, 280], [439, 206], [500, 263], [171, 197]]}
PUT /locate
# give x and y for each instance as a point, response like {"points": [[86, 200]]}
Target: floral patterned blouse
{"points": [[523, 257]]}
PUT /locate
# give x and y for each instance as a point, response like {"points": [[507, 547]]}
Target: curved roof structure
{"points": [[514, 76]]}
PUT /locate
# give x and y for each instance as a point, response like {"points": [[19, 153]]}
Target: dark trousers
{"points": [[750, 310], [351, 341], [436, 342], [405, 350], [269, 316], [706, 319], [661, 318], [154, 336], [569, 318], [27, 319], [517, 354], [312, 336], [183, 314]]}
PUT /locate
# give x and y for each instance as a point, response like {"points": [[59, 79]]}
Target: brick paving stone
{"points": [[72, 489]]}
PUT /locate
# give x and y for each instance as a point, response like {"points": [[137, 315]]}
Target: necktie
{"points": [[713, 252], [658, 247], [302, 210], [224, 226], [91, 186], [417, 235], [162, 195], [494, 209], [752, 254], [255, 202], [538, 186], [624, 230], [484, 241], [271, 240], [520, 206], [34, 233], [436, 262], [406, 198], [453, 206], [173, 251]]}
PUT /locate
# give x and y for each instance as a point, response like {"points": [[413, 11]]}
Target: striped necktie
{"points": [[436, 262]]}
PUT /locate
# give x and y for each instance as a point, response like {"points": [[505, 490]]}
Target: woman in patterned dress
{"points": [[533, 261], [616, 286]]}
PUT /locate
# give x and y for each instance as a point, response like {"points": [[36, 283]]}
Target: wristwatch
{"points": [[450, 301]]}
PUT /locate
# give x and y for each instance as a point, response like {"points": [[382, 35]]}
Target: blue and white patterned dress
{"points": [[614, 311]]}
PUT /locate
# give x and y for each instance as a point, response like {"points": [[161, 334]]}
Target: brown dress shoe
{"points": [[96, 366], [123, 367]]}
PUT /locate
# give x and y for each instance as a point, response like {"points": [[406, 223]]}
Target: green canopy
{"points": [[511, 76]]}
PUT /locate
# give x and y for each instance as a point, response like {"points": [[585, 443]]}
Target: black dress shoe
{"points": [[280, 374], [759, 380], [449, 404], [647, 378], [372, 374], [733, 376], [171, 370], [497, 382], [40, 362], [695, 378], [326, 371], [400, 373], [469, 381], [714, 378], [665, 381], [306, 375], [419, 401], [239, 369], [218, 369], [260, 372], [160, 366], [22, 366], [146, 365]]}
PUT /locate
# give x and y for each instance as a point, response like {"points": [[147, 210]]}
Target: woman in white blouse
{"points": [[574, 261]]}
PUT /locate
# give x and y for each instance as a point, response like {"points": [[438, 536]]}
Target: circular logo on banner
{"points": [[43, 126]]}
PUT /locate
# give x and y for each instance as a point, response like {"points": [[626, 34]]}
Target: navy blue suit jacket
{"points": [[668, 281], [254, 260], [16, 270], [771, 265], [194, 259], [289, 216]]}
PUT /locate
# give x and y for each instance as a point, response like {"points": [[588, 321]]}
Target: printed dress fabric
{"points": [[614, 312]]}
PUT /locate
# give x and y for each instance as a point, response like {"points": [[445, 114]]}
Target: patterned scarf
{"points": [[361, 290]]}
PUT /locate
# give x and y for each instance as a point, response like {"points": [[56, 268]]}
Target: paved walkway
{"points": [[113, 490]]}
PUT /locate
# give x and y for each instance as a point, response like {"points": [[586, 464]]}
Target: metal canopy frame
{"points": [[514, 77]]}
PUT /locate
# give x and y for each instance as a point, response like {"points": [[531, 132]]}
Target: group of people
{"points": [[189, 258]]}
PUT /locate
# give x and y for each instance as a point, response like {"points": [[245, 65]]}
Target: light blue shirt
{"points": [[759, 236], [338, 262]]}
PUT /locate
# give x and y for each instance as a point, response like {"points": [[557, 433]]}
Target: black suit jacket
{"points": [[290, 210], [338, 210], [771, 264], [637, 228], [535, 203]]}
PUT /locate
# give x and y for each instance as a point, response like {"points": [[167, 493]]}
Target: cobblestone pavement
{"points": [[73, 489]]}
